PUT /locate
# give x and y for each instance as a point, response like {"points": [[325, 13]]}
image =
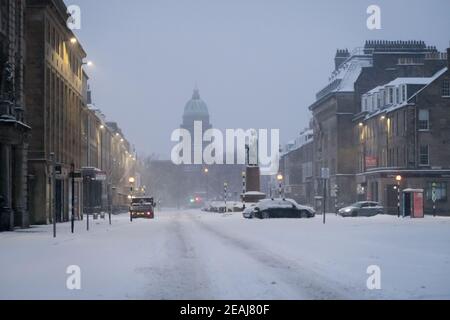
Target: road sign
{"points": [[325, 173]]}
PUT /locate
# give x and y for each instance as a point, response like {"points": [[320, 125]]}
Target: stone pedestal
{"points": [[253, 185]]}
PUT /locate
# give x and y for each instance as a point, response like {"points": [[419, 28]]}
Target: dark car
{"points": [[362, 209], [281, 208], [142, 207]]}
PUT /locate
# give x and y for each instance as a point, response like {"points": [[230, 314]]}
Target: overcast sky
{"points": [[257, 63]]}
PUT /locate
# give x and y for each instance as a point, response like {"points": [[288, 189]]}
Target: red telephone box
{"points": [[413, 203]]}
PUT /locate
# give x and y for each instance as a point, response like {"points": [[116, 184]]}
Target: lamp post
{"points": [[244, 187], [52, 192], [399, 180], [280, 184], [132, 180], [225, 190], [72, 174], [206, 172]]}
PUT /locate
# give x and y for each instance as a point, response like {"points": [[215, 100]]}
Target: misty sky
{"points": [[257, 63]]}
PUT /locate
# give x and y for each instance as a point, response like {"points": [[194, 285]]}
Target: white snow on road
{"points": [[197, 255]]}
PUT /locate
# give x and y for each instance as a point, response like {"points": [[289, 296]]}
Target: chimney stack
{"points": [[448, 58], [341, 56]]}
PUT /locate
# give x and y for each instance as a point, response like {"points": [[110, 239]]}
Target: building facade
{"points": [[13, 130], [403, 130], [55, 86], [296, 166], [357, 72]]}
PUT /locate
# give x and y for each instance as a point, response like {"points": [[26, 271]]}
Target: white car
{"points": [[362, 209]]}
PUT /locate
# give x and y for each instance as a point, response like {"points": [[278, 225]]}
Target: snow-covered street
{"points": [[197, 255]]}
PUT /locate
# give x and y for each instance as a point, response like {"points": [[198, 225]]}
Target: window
{"points": [[424, 120], [364, 99], [440, 190], [397, 95], [424, 159], [404, 95], [391, 95], [446, 88]]}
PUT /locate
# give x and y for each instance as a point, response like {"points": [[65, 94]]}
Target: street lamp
{"points": [[399, 180], [225, 190], [206, 171], [280, 184], [88, 63], [73, 40], [131, 180]]}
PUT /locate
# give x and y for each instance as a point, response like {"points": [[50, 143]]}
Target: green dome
{"points": [[196, 107]]}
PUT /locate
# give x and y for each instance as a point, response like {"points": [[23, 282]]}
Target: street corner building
{"points": [[383, 113], [403, 132], [13, 128], [58, 153]]}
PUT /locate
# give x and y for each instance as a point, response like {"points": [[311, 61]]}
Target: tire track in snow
{"points": [[177, 272], [290, 272]]}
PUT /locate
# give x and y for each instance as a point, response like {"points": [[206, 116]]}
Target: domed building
{"points": [[196, 110], [202, 181]]}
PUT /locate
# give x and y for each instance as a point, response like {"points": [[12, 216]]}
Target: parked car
{"points": [[281, 208], [142, 207], [248, 212], [362, 209]]}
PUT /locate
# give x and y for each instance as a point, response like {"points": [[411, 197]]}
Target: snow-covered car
{"points": [[281, 208], [248, 212], [362, 209]]}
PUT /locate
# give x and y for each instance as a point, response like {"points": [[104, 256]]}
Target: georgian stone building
{"points": [[55, 87], [357, 72], [404, 129], [13, 130], [296, 165]]}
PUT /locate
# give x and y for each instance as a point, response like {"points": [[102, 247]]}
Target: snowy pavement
{"points": [[196, 255]]}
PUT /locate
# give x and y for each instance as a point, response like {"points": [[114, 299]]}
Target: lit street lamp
{"points": [[206, 172], [280, 184], [131, 180], [399, 180]]}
